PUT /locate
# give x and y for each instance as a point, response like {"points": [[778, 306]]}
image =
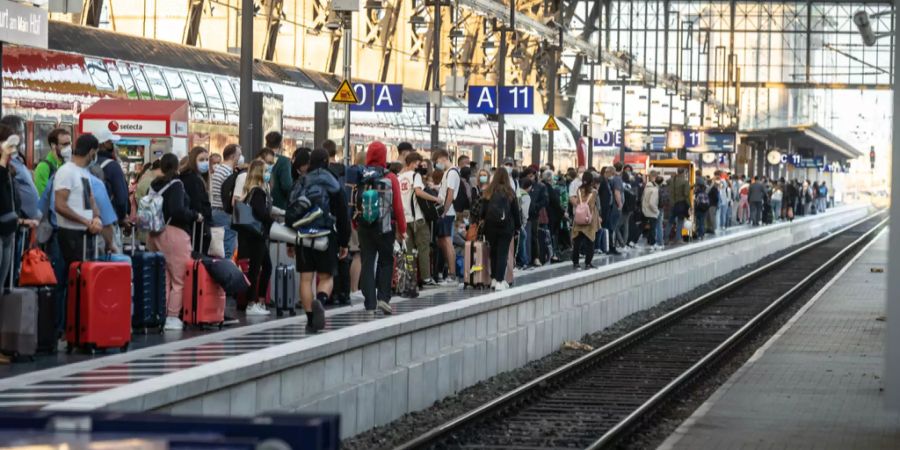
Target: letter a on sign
{"points": [[345, 94], [551, 124]]}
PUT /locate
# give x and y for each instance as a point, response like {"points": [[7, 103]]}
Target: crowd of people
{"points": [[350, 217]]}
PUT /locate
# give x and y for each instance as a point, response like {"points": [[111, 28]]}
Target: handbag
{"points": [[243, 220], [36, 269]]}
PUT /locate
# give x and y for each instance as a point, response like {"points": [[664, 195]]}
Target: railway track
{"points": [[596, 400]]}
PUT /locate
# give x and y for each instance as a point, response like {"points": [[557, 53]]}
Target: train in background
{"points": [[50, 88]]}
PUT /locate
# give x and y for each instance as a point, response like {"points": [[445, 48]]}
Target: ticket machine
{"points": [[149, 128]]}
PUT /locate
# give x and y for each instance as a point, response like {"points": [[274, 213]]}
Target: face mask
{"points": [[203, 166], [241, 160], [483, 178], [267, 177], [439, 166], [508, 169], [66, 153], [422, 170]]}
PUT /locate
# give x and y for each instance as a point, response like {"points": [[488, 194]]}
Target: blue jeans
{"points": [[776, 209], [701, 225], [659, 228], [222, 219], [724, 213], [614, 215], [523, 256]]}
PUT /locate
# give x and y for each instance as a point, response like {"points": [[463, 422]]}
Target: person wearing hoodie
{"points": [[650, 208], [376, 239], [317, 266]]}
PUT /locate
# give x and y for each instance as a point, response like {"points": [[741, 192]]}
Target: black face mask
{"points": [[421, 170]]}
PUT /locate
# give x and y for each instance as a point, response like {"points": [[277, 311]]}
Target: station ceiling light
{"points": [[456, 33], [488, 44], [374, 4], [517, 53], [417, 20]]}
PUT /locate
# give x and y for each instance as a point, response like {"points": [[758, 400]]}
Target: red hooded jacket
{"points": [[376, 156]]}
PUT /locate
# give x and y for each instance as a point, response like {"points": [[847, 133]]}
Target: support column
{"points": [[892, 346], [246, 124]]}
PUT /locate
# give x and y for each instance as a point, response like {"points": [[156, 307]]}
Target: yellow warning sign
{"points": [[551, 124], [345, 94]]}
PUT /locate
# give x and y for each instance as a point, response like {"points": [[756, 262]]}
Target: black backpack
{"points": [[227, 191], [463, 200], [431, 211], [630, 201], [497, 214]]}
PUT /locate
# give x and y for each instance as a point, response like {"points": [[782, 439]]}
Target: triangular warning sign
{"points": [[345, 94], [551, 124]]}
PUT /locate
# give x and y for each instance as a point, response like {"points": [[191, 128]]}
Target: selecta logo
{"points": [[113, 126]]}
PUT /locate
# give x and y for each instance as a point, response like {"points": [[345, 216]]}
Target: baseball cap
{"points": [[509, 161], [105, 135]]}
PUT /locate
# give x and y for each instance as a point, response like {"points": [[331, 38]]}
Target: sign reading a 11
{"points": [[511, 100]]}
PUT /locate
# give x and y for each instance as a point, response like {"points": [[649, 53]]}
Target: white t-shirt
{"points": [[573, 187], [409, 181], [451, 181], [74, 179], [239, 185]]}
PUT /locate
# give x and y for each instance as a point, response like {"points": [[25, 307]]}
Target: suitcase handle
{"points": [[194, 237]]}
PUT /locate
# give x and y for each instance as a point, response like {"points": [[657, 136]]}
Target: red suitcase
{"points": [[98, 305], [204, 299]]}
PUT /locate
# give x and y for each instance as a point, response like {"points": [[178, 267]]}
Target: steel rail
{"points": [[596, 356]]}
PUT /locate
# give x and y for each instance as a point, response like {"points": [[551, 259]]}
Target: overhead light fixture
{"points": [[334, 21], [517, 53], [416, 20], [373, 4], [488, 44], [456, 33]]}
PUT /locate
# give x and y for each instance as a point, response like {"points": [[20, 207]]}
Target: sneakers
{"points": [[589, 266], [429, 282], [313, 232], [575, 266], [230, 321], [502, 286], [385, 307], [449, 282], [537, 262], [257, 309], [318, 316], [493, 283], [173, 324], [311, 215]]}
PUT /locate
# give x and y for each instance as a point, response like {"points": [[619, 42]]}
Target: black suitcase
{"points": [[285, 291], [47, 335], [148, 274]]}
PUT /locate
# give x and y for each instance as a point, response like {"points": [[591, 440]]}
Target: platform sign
{"points": [[608, 139], [516, 100], [23, 25], [702, 141], [792, 159], [482, 99], [345, 94], [816, 162], [387, 97], [654, 143], [363, 93], [550, 124]]}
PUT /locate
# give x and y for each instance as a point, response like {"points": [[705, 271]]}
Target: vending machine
{"points": [[149, 128]]}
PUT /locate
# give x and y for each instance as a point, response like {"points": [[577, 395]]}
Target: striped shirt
{"points": [[222, 172]]}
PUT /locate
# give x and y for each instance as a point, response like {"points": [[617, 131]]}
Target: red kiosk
{"points": [[149, 128]]}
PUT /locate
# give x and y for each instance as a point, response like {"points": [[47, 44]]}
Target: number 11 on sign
{"points": [[516, 100]]}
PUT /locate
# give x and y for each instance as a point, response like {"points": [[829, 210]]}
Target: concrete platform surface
{"points": [[817, 383]]}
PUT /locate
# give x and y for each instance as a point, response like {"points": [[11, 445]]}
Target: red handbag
{"points": [[36, 269]]}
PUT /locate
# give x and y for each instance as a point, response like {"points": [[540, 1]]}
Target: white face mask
{"points": [[241, 159], [66, 153]]}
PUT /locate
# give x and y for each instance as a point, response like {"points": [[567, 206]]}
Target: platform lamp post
{"points": [[245, 131], [436, 71], [501, 80]]}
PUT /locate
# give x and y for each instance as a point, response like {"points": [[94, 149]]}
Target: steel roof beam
{"points": [[192, 25], [274, 11], [90, 16]]}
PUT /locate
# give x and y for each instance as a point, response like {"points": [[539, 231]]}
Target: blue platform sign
{"points": [[378, 97], [609, 139], [388, 97], [695, 140], [516, 100], [364, 95], [482, 99]]}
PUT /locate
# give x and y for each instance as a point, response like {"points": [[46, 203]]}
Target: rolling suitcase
{"points": [[98, 304], [603, 235], [285, 291], [204, 299], [545, 245], [18, 321], [476, 264], [46, 319], [408, 283], [149, 286]]}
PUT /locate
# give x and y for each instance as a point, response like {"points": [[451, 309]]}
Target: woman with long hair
{"points": [[193, 172], [175, 240], [501, 217], [584, 233], [253, 246]]}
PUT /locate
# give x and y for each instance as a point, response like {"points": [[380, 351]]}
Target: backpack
{"points": [[150, 217], [822, 191], [564, 198], [227, 191], [664, 197], [463, 200], [374, 199], [315, 189], [431, 211], [583, 214], [701, 202], [497, 208]]}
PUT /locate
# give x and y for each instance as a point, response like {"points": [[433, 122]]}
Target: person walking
{"points": [[376, 238], [316, 264], [175, 240], [586, 221], [502, 218], [198, 198]]}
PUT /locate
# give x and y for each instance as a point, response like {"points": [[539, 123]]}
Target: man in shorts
{"points": [[444, 226]]}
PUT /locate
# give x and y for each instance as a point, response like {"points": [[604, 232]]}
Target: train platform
{"points": [[816, 383], [373, 369]]}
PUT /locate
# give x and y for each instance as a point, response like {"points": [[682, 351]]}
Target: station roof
{"points": [[811, 135]]}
